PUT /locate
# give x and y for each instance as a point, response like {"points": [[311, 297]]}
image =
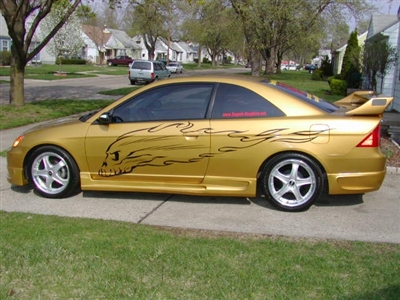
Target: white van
{"points": [[147, 71]]}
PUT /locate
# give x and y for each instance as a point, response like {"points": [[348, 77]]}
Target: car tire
{"points": [[53, 172], [133, 82], [292, 182]]}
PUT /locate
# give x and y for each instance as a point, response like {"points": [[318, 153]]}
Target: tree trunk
{"points": [[17, 72], [270, 62], [199, 56], [255, 62]]}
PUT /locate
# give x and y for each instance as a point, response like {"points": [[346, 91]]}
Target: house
{"points": [[5, 43], [204, 52], [160, 52], [95, 39], [175, 52], [188, 53], [385, 28], [396, 91], [121, 44], [5, 40], [104, 43]]}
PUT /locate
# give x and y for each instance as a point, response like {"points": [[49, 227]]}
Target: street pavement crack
{"points": [[154, 209]]}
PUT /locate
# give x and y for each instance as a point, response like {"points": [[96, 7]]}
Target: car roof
{"points": [[290, 104]]}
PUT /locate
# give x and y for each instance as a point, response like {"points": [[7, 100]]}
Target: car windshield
{"points": [[141, 65], [307, 97]]}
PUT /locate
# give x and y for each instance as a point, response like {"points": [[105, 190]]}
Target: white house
{"points": [[187, 52], [337, 59], [5, 40], [385, 28], [396, 89]]}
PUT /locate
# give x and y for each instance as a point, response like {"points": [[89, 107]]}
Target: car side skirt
{"points": [[234, 187]]}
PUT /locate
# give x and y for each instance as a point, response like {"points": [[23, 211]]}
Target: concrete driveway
{"points": [[372, 217]]}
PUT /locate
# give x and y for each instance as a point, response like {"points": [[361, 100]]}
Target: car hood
{"points": [[54, 123]]}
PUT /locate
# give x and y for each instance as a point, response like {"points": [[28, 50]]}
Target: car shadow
{"points": [[340, 200], [324, 201]]}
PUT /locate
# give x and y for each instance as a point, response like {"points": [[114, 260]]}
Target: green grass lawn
{"points": [[46, 71], [48, 257], [12, 116]]}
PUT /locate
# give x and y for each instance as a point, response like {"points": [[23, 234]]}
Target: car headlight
{"points": [[18, 140]]}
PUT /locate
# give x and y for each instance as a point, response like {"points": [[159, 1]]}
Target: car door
{"points": [[243, 123], [161, 70], [160, 135]]}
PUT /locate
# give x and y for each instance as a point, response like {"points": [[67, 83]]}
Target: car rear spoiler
{"points": [[364, 103]]}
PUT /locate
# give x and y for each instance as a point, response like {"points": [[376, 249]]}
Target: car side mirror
{"points": [[105, 118]]}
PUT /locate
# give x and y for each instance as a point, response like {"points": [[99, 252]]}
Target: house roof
{"points": [[361, 40], [160, 47], [96, 34], [379, 23], [171, 45], [124, 39], [186, 47]]}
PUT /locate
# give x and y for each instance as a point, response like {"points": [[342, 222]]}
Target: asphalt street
{"points": [[372, 217]]}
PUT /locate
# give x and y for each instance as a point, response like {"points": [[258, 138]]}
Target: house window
{"points": [[4, 45]]}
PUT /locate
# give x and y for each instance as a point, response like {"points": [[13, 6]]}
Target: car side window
{"points": [[232, 101], [173, 102]]}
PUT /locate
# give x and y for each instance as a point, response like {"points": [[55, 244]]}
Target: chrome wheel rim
{"points": [[292, 182], [50, 173]]}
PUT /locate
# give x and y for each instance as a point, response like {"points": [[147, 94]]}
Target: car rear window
{"points": [[311, 99], [141, 65]]}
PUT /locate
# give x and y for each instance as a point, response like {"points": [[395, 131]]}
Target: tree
{"points": [[351, 65], [68, 40], [16, 13], [270, 24], [378, 58], [149, 20]]}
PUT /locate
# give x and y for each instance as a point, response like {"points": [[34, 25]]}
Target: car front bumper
{"points": [[15, 168]]}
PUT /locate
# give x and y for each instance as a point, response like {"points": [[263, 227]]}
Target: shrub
{"points": [[326, 67], [5, 58], [338, 87], [71, 61], [317, 75]]}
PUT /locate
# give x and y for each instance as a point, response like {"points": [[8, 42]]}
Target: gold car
{"points": [[210, 136]]}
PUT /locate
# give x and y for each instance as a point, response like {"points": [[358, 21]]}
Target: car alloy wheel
{"points": [[53, 172], [292, 182]]}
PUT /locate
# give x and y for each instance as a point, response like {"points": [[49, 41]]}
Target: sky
{"points": [[387, 8]]}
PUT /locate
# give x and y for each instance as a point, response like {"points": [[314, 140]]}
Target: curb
{"points": [[393, 170]]}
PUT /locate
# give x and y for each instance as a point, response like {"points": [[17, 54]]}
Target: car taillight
{"points": [[152, 75], [373, 139]]}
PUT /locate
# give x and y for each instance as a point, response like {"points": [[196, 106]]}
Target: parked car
{"points": [[220, 136], [119, 60], [147, 71], [310, 67], [175, 67], [289, 67]]}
